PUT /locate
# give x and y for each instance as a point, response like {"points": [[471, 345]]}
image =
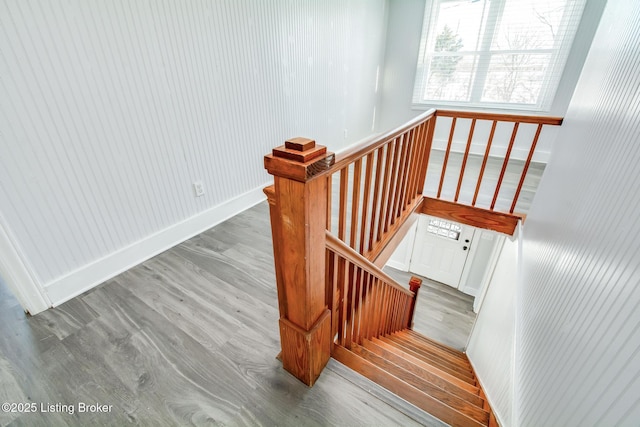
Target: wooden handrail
{"points": [[371, 144], [340, 248], [365, 302], [544, 120]]}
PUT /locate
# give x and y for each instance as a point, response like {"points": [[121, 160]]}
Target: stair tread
{"points": [[462, 362], [432, 352], [473, 415], [469, 404], [428, 372], [437, 344], [452, 369]]}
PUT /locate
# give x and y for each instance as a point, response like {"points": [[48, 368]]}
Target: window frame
{"points": [[547, 98]]}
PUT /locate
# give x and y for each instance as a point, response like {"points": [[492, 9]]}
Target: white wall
{"points": [[579, 322], [109, 111], [491, 344]]}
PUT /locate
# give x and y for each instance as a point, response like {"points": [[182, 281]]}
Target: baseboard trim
{"points": [[97, 272]]}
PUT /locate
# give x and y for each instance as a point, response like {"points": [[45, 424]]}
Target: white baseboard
{"points": [[91, 275]]}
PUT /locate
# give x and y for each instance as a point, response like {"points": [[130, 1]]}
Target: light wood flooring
{"points": [[443, 313], [186, 338]]}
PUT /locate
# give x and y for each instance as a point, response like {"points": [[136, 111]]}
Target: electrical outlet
{"points": [[198, 188]]}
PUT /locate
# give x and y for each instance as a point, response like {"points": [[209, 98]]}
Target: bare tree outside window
{"points": [[443, 67], [495, 53]]}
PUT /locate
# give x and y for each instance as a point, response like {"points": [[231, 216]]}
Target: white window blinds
{"points": [[494, 53]]}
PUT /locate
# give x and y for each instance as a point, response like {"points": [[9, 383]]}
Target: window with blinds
{"points": [[494, 53]]}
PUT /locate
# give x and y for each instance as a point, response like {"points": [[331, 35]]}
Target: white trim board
{"points": [[19, 277], [97, 272]]}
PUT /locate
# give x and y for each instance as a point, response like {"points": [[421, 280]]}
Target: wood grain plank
{"points": [[469, 386], [404, 390], [455, 369], [471, 215], [466, 392], [472, 410]]}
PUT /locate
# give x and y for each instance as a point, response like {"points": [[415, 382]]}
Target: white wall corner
{"points": [[19, 277], [95, 273]]}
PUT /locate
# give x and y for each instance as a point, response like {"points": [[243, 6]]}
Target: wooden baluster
{"points": [[393, 176], [394, 311], [369, 306], [375, 209], [387, 308], [464, 159], [385, 189], [383, 310], [406, 304], [349, 297], [357, 276], [425, 153], [355, 202], [335, 307], [484, 162], [365, 202], [298, 223], [344, 191], [526, 168], [398, 176], [404, 173], [344, 289], [414, 166], [414, 286], [446, 156], [361, 313], [505, 164], [378, 299], [329, 197]]}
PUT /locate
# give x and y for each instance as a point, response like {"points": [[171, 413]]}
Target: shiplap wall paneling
{"points": [[491, 344], [579, 312], [111, 110]]}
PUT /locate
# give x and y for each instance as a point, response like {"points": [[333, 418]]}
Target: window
{"points": [[444, 229], [495, 53]]}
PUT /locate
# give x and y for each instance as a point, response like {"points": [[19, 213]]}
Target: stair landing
{"points": [[435, 378]]}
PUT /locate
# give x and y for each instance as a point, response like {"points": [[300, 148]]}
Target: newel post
{"points": [[414, 286], [298, 208]]}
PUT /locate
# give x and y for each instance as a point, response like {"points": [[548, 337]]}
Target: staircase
{"points": [[430, 375], [336, 220]]}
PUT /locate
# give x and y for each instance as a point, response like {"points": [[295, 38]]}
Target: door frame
{"points": [[464, 274], [19, 277]]}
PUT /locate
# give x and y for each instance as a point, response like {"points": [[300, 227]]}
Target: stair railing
{"points": [[378, 186], [509, 127], [367, 302]]}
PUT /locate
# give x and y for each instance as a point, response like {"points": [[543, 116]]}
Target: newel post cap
{"points": [[299, 159]]}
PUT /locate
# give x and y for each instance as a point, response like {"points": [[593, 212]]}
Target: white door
{"points": [[441, 249]]}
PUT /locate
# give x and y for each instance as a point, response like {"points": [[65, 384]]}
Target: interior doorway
{"points": [[441, 250], [451, 253]]}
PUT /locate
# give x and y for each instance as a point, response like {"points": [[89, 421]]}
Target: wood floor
{"points": [[186, 338], [443, 313]]}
